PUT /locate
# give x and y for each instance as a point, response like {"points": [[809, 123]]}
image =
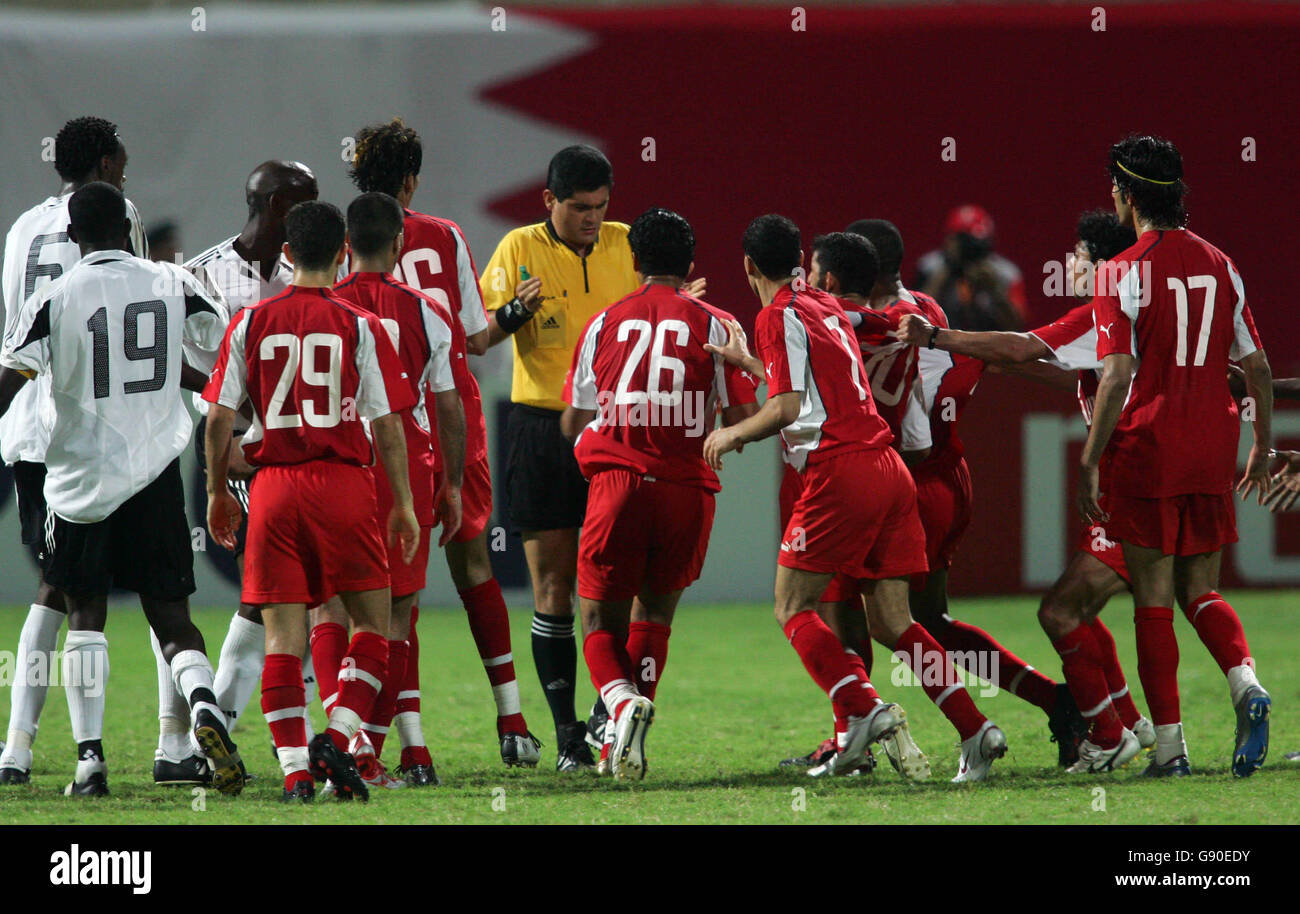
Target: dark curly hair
{"points": [[1102, 234], [80, 145], [315, 231], [663, 243], [851, 257], [772, 242], [385, 154], [1150, 170]]}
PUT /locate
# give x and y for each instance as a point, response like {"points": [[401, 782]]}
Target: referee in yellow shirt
{"points": [[543, 284]]}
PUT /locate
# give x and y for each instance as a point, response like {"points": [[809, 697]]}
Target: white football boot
{"points": [[980, 752], [879, 724], [627, 757], [903, 752], [1094, 759]]}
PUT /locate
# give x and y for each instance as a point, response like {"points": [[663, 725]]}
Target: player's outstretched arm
{"points": [[224, 511], [987, 346], [1286, 484], [1112, 391], [1259, 387], [451, 442], [11, 381], [778, 412], [390, 442]]}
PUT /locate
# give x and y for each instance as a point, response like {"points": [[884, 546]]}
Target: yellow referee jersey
{"points": [[574, 289]]}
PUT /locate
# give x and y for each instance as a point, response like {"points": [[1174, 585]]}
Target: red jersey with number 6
{"points": [[1177, 304], [312, 365], [807, 346]]}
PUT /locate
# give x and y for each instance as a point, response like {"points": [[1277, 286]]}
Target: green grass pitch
{"points": [[734, 700]]}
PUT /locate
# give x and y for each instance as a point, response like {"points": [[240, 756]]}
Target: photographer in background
{"points": [[977, 288]]}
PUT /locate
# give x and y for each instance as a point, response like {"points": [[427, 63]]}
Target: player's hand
{"points": [[719, 442], [1090, 496], [1286, 484], [696, 287], [1256, 477], [736, 349], [915, 330], [449, 512], [403, 528], [239, 467], [529, 293], [224, 515]]}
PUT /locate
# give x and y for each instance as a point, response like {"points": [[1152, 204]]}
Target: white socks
{"points": [[36, 643], [192, 673], [85, 678], [1241, 678], [173, 711], [240, 668], [1169, 743]]}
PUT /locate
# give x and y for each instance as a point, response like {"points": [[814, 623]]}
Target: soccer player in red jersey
{"points": [[642, 392], [436, 259], [421, 332], [312, 366], [856, 512], [1170, 314], [1096, 572]]}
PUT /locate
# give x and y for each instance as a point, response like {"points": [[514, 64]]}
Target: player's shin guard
{"points": [[239, 667], [407, 718], [360, 680], [1220, 630], [85, 679], [975, 649], [1081, 664], [1157, 650], [647, 647], [825, 660], [173, 710], [489, 623], [329, 642], [31, 683], [284, 701], [556, 656], [931, 666], [381, 714], [1115, 681], [611, 670]]}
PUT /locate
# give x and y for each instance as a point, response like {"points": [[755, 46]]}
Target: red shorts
{"points": [[943, 499], [1094, 541], [312, 534], [842, 587], [856, 516], [475, 500], [1181, 525], [407, 579], [641, 534]]}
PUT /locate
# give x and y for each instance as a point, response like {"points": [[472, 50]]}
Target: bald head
{"points": [[275, 187]]}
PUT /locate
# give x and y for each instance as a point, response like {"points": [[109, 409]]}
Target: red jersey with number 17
{"points": [[312, 365], [807, 346], [1176, 303]]}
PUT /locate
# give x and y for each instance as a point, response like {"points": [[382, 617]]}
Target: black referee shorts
{"points": [[238, 487], [544, 487], [143, 546]]}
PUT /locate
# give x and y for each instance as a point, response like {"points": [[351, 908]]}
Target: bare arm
{"points": [[224, 511], [1259, 387], [1112, 391], [479, 343], [987, 346], [1042, 372], [573, 421], [192, 378], [11, 381], [390, 442], [778, 412], [451, 443]]}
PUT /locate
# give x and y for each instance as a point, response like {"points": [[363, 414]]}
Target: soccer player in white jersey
{"points": [[245, 268], [108, 334], [38, 251]]}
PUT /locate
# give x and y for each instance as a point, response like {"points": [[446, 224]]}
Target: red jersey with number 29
{"points": [[1177, 304], [807, 346], [312, 365]]}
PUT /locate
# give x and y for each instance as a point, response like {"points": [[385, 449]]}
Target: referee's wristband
{"points": [[513, 315]]}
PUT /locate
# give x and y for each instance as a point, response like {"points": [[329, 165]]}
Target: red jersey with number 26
{"points": [[312, 365], [807, 346], [1177, 304]]}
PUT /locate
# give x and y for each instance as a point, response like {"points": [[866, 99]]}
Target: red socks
{"points": [[610, 668], [329, 642], [407, 718], [826, 661], [1115, 681], [647, 647], [360, 680], [284, 705], [385, 706], [1219, 629], [964, 640], [489, 623], [924, 656], [1157, 651], [1081, 664]]}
